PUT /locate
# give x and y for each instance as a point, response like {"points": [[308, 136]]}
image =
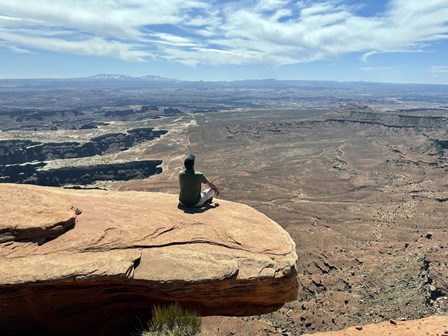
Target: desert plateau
{"points": [[355, 173]]}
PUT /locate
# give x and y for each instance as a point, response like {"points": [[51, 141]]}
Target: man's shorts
{"points": [[205, 196]]}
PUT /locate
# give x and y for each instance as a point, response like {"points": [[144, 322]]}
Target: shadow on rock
{"points": [[192, 210]]}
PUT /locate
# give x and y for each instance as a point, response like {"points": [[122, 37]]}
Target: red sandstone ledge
{"points": [[94, 262]]}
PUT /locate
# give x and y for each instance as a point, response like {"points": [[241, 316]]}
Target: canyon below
{"points": [[355, 173]]}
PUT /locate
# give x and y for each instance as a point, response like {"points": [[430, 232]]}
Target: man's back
{"points": [[190, 186]]}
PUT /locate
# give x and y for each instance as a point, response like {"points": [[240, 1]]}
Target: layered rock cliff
{"points": [[394, 120], [94, 262]]}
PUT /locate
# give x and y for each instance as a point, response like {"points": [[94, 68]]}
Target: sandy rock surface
{"points": [[51, 214], [225, 326], [431, 326], [117, 253]]}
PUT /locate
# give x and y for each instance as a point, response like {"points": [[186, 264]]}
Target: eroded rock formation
{"points": [[22, 151], [79, 175], [94, 262]]}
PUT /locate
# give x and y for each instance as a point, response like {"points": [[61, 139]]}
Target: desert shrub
{"points": [[173, 320]]}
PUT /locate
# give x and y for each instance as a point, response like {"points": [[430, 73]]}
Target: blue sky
{"points": [[345, 40]]}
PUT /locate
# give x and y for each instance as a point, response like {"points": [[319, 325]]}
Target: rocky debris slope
{"points": [[431, 326], [435, 268], [95, 262]]}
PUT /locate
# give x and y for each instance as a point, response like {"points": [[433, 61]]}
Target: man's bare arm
{"points": [[214, 187]]}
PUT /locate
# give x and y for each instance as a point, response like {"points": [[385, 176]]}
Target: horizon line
{"points": [[166, 79]]}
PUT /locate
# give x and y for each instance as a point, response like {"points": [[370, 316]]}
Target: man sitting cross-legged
{"points": [[190, 182]]}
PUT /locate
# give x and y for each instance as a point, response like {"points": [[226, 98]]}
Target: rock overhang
{"points": [[229, 260]]}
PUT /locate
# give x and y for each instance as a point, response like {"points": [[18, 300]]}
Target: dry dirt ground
{"points": [[365, 204], [430, 326]]}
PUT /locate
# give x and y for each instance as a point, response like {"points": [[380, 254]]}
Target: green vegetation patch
{"points": [[173, 320]]}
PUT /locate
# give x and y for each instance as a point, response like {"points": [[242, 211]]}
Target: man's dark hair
{"points": [[189, 162]]}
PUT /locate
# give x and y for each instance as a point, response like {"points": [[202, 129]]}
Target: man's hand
{"points": [[214, 187]]}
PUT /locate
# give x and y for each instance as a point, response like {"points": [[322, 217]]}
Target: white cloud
{"points": [[439, 70], [366, 56], [92, 46], [270, 4], [174, 40], [192, 32], [14, 48], [377, 68]]}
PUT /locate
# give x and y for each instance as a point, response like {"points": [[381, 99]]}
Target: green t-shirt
{"points": [[190, 186]]}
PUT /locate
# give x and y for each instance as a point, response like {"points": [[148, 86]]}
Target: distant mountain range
{"points": [[266, 82], [119, 80], [117, 77]]}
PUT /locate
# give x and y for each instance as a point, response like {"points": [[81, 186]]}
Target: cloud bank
{"points": [[272, 32], [439, 70]]}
